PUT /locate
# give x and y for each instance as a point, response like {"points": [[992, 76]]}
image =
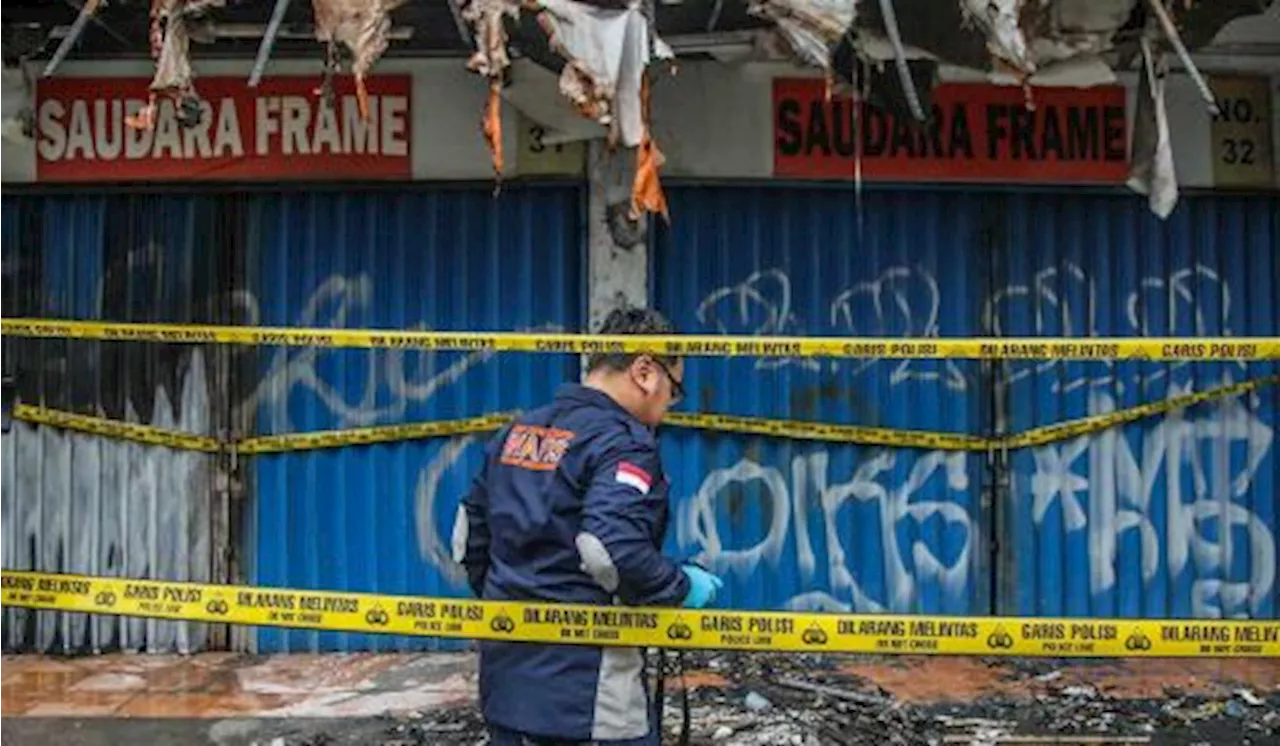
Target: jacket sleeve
{"points": [[623, 503], [475, 558]]}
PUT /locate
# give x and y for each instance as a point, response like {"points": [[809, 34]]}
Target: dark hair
{"points": [[630, 321]]}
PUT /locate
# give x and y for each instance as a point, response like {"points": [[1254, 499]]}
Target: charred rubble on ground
{"points": [[808, 700]]}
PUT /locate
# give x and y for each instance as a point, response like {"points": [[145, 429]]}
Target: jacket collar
{"points": [[580, 394]]}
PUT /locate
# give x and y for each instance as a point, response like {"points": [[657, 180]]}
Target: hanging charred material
{"points": [[170, 48], [646, 187], [364, 28], [823, 34], [1001, 22], [605, 51], [487, 19], [812, 29], [601, 50], [1152, 172]]}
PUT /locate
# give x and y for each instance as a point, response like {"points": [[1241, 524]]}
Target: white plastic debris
{"points": [[810, 27], [756, 703], [364, 27], [170, 47], [607, 52]]}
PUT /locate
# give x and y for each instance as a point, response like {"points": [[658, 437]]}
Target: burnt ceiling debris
{"points": [[607, 54]]}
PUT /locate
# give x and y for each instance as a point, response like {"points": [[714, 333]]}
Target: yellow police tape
{"points": [[1028, 348], [790, 429], [643, 627], [829, 432], [369, 435], [116, 429]]}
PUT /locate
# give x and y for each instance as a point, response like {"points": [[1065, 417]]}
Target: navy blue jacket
{"points": [[570, 506]]}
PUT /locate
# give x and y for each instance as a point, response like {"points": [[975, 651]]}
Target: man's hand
{"points": [[702, 587]]}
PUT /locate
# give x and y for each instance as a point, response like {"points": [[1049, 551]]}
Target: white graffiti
{"points": [[1063, 301], [901, 302], [733, 309], [1206, 516], [906, 301], [391, 376], [1183, 492], [884, 307], [1120, 488], [1096, 482], [448, 562], [916, 498], [393, 381], [1058, 298]]}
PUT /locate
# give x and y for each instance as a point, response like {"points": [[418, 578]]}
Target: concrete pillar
{"points": [[618, 252]]}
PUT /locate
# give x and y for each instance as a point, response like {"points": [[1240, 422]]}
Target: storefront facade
{"points": [[800, 217]]}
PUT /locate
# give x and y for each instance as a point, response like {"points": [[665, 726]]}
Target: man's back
{"points": [[570, 507], [537, 480]]}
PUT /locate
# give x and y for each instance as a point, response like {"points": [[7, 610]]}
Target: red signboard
{"points": [[978, 133], [277, 131]]}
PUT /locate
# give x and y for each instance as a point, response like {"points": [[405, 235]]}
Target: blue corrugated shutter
{"points": [[379, 518], [86, 504], [1173, 516], [812, 525]]}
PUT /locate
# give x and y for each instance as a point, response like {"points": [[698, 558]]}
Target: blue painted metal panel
{"points": [[810, 525], [379, 518], [1174, 516], [86, 504]]}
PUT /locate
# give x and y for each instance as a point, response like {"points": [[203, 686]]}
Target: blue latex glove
{"points": [[702, 587]]}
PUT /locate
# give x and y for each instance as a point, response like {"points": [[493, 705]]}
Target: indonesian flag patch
{"points": [[633, 476]]}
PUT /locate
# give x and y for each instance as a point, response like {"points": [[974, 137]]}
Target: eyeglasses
{"points": [[677, 386]]}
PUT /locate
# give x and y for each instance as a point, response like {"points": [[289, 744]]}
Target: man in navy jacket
{"points": [[571, 506]]}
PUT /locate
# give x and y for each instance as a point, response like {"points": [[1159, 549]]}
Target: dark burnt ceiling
{"points": [[34, 28]]}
